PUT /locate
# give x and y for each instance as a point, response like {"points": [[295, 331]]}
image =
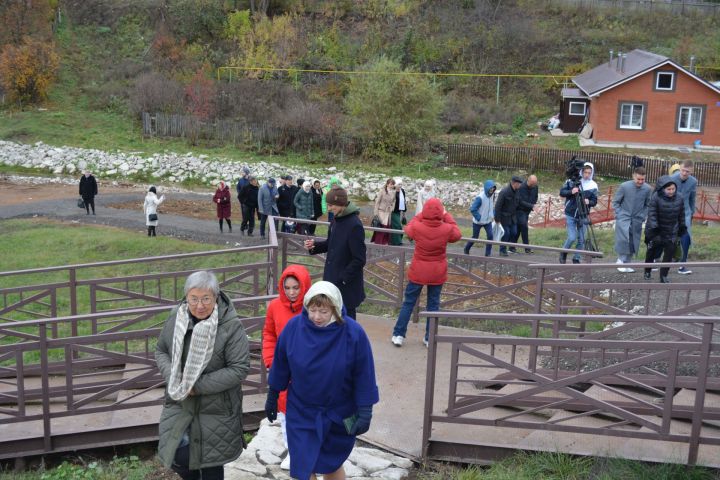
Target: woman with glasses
{"points": [[203, 355]]}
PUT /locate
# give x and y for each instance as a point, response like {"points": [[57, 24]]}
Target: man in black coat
{"points": [[665, 224], [243, 181], [286, 198], [527, 198], [345, 248], [88, 190], [505, 209]]}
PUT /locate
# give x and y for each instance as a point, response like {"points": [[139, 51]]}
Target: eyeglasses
{"points": [[204, 300]]}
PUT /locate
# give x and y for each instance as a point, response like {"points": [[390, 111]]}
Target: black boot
{"points": [[149, 231], [221, 230], [153, 232], [563, 258], [664, 279], [229, 225]]}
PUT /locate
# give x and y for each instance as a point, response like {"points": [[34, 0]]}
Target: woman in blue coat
{"points": [[324, 360]]}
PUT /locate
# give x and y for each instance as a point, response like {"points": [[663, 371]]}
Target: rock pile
{"points": [[267, 450]]}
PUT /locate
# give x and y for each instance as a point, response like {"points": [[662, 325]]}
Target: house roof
{"points": [[572, 93], [606, 76]]}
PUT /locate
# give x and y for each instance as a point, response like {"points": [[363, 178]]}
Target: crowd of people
{"points": [[321, 381], [502, 213]]}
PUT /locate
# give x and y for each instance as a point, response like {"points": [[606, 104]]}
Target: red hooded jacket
{"points": [[279, 312], [432, 230]]}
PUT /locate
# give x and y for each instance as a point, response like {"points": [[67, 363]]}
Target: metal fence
{"points": [[554, 160], [607, 397]]}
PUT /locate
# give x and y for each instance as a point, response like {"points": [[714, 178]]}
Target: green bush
{"points": [[392, 110]]}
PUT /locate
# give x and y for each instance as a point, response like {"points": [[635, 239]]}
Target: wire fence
{"points": [[677, 7]]}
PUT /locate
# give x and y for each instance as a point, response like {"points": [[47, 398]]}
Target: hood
{"points": [[433, 210], [489, 185], [349, 210], [327, 289], [663, 182], [589, 184], [303, 276], [226, 310]]}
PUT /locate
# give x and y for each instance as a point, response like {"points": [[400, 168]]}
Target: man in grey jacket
{"points": [[686, 189], [631, 207], [267, 203]]}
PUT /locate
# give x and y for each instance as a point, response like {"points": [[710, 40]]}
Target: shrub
{"points": [[469, 114], [200, 96], [393, 111], [154, 92], [28, 70], [197, 20], [20, 18]]}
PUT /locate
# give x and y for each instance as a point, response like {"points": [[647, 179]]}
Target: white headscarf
{"points": [[329, 290]]}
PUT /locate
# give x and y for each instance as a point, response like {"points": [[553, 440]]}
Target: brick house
{"points": [[643, 98]]}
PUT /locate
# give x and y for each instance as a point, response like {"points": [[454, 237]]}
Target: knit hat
{"points": [[337, 196], [516, 179], [271, 180], [246, 170]]}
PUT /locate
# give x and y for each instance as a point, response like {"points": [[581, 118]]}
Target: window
{"points": [[665, 81], [690, 119], [578, 108], [632, 115]]}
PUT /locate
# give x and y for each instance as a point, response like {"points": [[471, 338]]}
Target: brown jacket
{"points": [[384, 205]]}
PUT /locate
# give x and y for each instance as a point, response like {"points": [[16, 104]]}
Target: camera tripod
{"points": [[583, 215]]}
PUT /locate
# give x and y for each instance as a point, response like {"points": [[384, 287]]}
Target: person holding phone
{"points": [[324, 360]]}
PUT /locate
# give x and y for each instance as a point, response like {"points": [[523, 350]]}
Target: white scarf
{"points": [[202, 343]]}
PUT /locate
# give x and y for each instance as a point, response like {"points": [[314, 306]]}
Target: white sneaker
{"points": [[684, 271], [397, 340], [629, 270], [620, 269], [425, 342], [285, 465]]}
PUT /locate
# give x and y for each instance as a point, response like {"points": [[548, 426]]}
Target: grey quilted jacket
{"points": [[214, 412]]}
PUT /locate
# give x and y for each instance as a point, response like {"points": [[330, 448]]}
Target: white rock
{"points": [[268, 458], [248, 462], [268, 439], [277, 473], [391, 473], [369, 462], [353, 471], [396, 460], [232, 474]]}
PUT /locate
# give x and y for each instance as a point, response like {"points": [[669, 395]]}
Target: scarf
{"points": [[202, 342]]}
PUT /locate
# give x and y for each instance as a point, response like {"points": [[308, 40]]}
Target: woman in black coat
{"points": [[665, 224], [88, 190], [317, 205]]}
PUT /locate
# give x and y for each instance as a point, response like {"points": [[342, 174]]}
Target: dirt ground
{"points": [[14, 193]]}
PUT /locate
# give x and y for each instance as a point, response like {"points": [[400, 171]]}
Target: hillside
{"points": [[119, 58]]}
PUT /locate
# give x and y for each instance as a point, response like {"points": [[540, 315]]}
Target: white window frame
{"points": [[672, 82], [688, 129], [584, 108], [632, 108]]}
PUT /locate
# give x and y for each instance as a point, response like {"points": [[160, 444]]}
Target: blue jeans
{"points": [[412, 292], [575, 233], [476, 233], [508, 236]]}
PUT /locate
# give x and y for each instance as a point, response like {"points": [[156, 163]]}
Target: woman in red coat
{"points": [[432, 230], [222, 203], [294, 283]]}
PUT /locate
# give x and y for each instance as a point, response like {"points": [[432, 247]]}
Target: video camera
{"points": [[573, 168]]}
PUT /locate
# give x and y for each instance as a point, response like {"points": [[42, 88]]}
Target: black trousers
{"points": [[655, 248], [89, 203], [522, 227], [182, 460]]}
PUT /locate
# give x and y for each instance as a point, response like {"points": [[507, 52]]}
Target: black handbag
{"points": [[376, 222], [81, 203], [152, 217]]}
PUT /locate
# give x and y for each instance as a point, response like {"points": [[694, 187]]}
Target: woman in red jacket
{"points": [[294, 283], [432, 230], [222, 202]]}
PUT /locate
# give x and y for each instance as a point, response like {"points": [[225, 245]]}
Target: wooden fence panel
{"points": [[607, 164]]}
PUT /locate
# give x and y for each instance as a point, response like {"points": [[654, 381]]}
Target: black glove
{"points": [[363, 421], [271, 404]]}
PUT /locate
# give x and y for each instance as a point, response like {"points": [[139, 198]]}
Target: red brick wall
{"points": [[661, 111]]}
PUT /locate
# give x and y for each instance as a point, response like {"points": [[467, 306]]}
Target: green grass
{"points": [[118, 468], [559, 466]]}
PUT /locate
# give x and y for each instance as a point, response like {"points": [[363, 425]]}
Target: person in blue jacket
{"points": [[324, 360], [483, 211]]}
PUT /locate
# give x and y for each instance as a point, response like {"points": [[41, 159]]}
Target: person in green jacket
{"points": [[203, 355], [334, 182]]}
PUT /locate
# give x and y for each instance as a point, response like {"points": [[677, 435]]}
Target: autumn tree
{"points": [[392, 109], [200, 96], [20, 18], [28, 70], [263, 41]]}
